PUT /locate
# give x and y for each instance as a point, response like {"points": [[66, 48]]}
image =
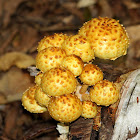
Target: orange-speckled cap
{"points": [[107, 37], [74, 64], [41, 97], [54, 40], [79, 46], [89, 109], [49, 58], [104, 93], [58, 81], [65, 108], [91, 74], [38, 78], [29, 102]]}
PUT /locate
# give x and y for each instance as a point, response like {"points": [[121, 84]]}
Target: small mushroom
{"points": [[29, 102], [89, 109], [65, 108], [38, 78], [49, 58], [104, 93], [79, 46], [74, 64], [54, 40], [91, 74], [58, 81], [41, 97]]}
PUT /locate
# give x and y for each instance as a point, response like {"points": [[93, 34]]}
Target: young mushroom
{"points": [[74, 64], [58, 81], [29, 102], [54, 40], [107, 37], [65, 108], [79, 46], [104, 93], [49, 58], [41, 97], [38, 78], [91, 74], [89, 109]]}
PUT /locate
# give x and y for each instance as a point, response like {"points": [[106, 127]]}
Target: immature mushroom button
{"points": [[74, 64], [49, 58], [58, 81], [65, 108], [104, 93], [79, 46], [89, 109], [91, 74], [54, 40], [29, 102], [41, 97]]}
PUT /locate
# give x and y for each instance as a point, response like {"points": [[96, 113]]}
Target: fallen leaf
{"points": [[15, 81], [133, 32], [85, 3], [18, 59], [9, 8]]}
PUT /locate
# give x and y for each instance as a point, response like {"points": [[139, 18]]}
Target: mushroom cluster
{"points": [[66, 62]]}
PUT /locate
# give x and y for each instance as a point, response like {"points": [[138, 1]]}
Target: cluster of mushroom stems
{"points": [[66, 65]]}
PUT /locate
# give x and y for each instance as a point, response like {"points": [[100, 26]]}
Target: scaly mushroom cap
{"points": [[104, 93], [91, 74], [65, 108], [74, 64], [58, 81], [54, 40], [41, 97], [38, 78], [29, 102], [79, 46], [89, 109], [107, 37], [49, 58]]}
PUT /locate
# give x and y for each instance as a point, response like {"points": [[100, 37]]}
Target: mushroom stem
{"points": [[83, 89], [63, 130]]}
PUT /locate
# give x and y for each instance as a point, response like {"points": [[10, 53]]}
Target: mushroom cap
{"points": [[49, 58], [54, 40], [38, 78], [89, 109], [41, 97], [29, 102], [58, 81], [104, 93], [74, 64], [79, 46], [65, 108], [91, 74], [107, 37]]}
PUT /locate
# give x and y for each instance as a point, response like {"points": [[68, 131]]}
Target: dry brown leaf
{"points": [[134, 33], [25, 39], [18, 59], [15, 81], [83, 3], [9, 8]]}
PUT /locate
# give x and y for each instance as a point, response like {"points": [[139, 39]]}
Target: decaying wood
{"points": [[127, 124], [81, 129], [38, 129]]}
